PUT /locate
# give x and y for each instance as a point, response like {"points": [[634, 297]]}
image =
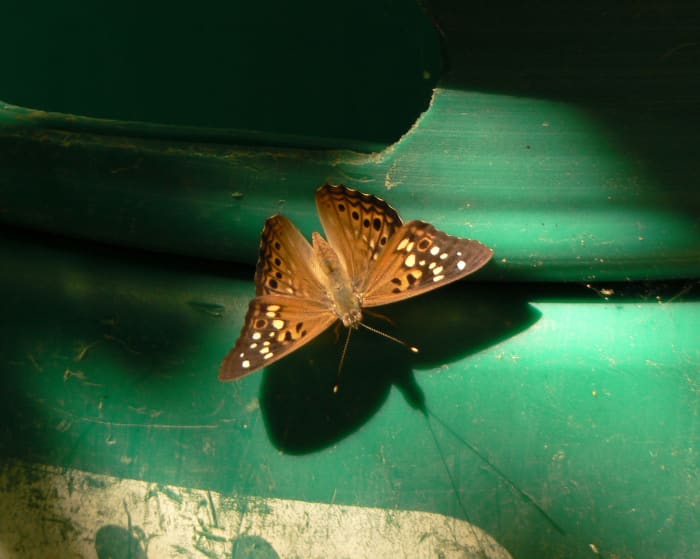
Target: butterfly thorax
{"points": [[336, 281]]}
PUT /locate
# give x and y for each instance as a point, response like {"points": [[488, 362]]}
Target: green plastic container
{"points": [[553, 409]]}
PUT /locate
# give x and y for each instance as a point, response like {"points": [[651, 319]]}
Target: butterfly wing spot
{"points": [[424, 244], [435, 250], [278, 324], [410, 261], [355, 215], [256, 335], [461, 265], [260, 323], [443, 256], [402, 244], [438, 278], [437, 271], [245, 364]]}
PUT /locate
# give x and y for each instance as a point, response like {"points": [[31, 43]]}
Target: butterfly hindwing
{"points": [[419, 258], [358, 226], [274, 326], [285, 262]]}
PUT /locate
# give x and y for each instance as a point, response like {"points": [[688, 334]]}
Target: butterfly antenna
{"points": [[336, 386], [412, 348]]}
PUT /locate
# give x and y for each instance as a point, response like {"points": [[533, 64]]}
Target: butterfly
{"points": [[370, 258]]}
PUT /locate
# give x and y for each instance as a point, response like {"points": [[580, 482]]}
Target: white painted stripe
{"points": [[51, 512]]}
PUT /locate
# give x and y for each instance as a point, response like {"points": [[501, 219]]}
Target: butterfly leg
{"points": [[375, 314]]}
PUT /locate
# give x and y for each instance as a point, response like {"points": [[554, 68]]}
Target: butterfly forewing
{"points": [[420, 258], [358, 226], [285, 262], [274, 326]]}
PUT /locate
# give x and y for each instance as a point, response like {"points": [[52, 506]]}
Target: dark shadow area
{"points": [[625, 51], [301, 412], [115, 542], [253, 547], [273, 67]]}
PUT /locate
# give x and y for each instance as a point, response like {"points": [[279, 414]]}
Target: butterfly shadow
{"points": [[302, 414]]}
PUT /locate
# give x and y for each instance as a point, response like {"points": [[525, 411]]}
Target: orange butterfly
{"points": [[371, 258]]}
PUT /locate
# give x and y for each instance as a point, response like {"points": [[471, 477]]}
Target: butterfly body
{"points": [[370, 258], [337, 283]]}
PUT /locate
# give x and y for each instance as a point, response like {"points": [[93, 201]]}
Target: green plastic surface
{"points": [[563, 137], [586, 405]]}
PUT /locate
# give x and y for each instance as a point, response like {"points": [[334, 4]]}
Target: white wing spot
{"points": [[434, 251], [443, 256], [245, 364], [459, 253], [241, 355], [421, 263], [461, 265], [277, 324], [432, 265], [256, 335], [437, 271], [264, 350], [271, 335], [402, 244], [268, 355], [438, 278], [409, 246], [410, 261], [270, 314], [266, 342], [253, 345], [273, 308], [290, 290]]}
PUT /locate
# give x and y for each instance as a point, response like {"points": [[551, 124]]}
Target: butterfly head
{"points": [[352, 318]]}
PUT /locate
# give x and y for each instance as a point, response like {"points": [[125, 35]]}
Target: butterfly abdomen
{"points": [[336, 280]]}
